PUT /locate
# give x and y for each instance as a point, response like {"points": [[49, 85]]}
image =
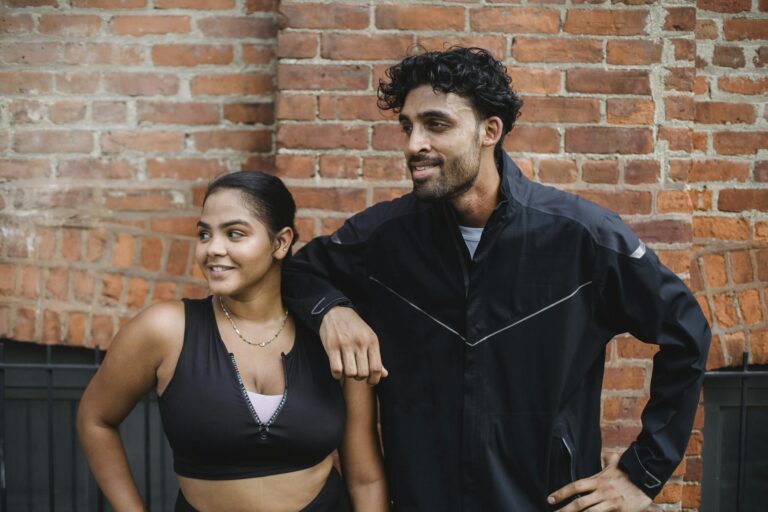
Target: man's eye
{"points": [[438, 125], [407, 129]]}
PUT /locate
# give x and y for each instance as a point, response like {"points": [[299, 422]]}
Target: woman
{"points": [[246, 398]]}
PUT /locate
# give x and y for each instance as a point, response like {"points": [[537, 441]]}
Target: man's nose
{"points": [[418, 142]]}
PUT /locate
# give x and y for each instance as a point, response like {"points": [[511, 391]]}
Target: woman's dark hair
{"points": [[471, 73], [265, 195]]}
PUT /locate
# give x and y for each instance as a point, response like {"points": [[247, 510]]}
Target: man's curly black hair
{"points": [[472, 73]]}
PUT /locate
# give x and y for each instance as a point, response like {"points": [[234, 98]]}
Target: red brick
{"points": [[388, 136], [30, 282], [680, 79], [257, 54], [7, 279], [122, 252], [389, 193], [339, 166], [335, 199], [51, 327], [324, 16], [663, 231], [608, 81], [63, 112], [762, 265], [16, 24], [189, 55], [561, 110], [142, 84], [633, 52], [102, 53], [629, 111], [195, 4], [238, 27], [350, 107], [57, 284], [535, 81], [365, 46], [323, 136], [701, 199], [297, 45], [328, 77], [678, 139], [137, 293], [117, 142], [714, 268], [496, 45], [557, 171], [721, 112], [557, 50], [608, 140], [730, 6], [232, 84], [70, 244], [740, 143], [743, 85], [69, 25], [83, 285], [740, 29], [249, 113], [728, 56], [383, 168], [673, 201], [151, 253], [184, 226], [679, 108], [69, 141], [705, 29], [749, 305], [184, 168], [761, 230], [97, 239], [761, 171], [600, 171], [25, 325], [685, 49], [26, 111], [45, 243], [722, 228], [681, 19], [19, 82], [110, 4], [719, 170], [149, 25], [102, 330], [29, 53], [111, 288], [606, 21], [741, 267], [295, 166], [740, 200], [515, 20], [188, 113], [299, 107], [95, 168], [626, 377], [623, 408], [239, 140], [419, 17], [629, 202], [533, 139], [138, 200]]}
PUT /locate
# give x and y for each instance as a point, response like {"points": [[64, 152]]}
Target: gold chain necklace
{"points": [[240, 335]]}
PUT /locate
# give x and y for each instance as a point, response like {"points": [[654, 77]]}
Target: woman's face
{"points": [[234, 249]]}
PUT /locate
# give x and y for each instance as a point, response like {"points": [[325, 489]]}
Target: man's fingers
{"points": [[337, 367], [582, 486], [362, 365], [375, 368], [350, 365], [586, 502]]}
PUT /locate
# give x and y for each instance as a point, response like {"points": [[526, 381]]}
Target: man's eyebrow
{"points": [[428, 114], [224, 225]]}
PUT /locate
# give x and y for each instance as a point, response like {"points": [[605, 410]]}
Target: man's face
{"points": [[442, 147]]}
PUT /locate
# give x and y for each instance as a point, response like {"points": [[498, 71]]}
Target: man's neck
{"points": [[474, 207]]}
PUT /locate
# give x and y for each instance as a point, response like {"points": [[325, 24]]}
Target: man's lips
{"points": [[423, 168]]}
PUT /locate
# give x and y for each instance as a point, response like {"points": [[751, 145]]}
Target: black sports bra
{"points": [[211, 426]]}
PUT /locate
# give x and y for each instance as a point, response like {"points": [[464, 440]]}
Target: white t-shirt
{"points": [[471, 238]]}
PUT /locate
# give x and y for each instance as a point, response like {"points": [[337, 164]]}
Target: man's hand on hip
{"points": [[609, 490], [351, 345]]}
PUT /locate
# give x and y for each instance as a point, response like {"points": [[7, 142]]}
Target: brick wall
{"points": [[116, 112]]}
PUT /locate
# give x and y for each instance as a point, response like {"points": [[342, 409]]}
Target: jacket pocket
{"points": [[562, 464]]}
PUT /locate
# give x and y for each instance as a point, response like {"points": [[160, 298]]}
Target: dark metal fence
{"points": [[742, 503], [41, 464]]}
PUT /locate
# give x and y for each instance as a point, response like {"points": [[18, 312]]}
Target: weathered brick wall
{"points": [[114, 113]]}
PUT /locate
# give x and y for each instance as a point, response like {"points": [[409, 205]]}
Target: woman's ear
{"points": [[282, 243]]}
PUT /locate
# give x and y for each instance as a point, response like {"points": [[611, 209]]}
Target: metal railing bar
{"points": [[3, 483], [44, 366], [742, 435], [147, 477], [743, 374], [73, 453], [49, 405]]}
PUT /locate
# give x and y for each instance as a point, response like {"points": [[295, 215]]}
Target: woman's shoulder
{"points": [[161, 323]]}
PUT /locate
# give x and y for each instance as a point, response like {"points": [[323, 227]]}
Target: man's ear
{"points": [[491, 130], [282, 242]]}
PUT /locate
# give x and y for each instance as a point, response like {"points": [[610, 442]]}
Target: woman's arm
{"points": [[128, 372], [360, 451]]}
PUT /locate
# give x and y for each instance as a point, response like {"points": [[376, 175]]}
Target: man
{"points": [[493, 298]]}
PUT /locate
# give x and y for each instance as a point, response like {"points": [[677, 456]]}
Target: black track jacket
{"points": [[496, 363]]}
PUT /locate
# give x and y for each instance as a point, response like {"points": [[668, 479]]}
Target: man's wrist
{"points": [[638, 474]]}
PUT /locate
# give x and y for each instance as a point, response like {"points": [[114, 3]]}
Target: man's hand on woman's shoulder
{"points": [[351, 345]]}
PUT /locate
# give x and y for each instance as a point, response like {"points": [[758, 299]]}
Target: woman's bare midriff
{"points": [[285, 492]]}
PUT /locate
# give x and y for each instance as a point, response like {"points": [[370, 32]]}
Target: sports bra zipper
{"points": [[263, 426]]}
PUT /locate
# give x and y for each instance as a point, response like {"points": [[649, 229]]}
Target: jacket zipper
{"points": [[460, 251], [263, 426], [571, 460]]}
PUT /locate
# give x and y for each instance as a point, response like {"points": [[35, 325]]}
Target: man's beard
{"points": [[455, 177]]}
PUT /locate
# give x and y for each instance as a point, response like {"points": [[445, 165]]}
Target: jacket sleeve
{"points": [[641, 296], [323, 274]]}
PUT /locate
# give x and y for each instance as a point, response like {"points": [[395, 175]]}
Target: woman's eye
{"points": [[234, 235], [203, 235]]}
